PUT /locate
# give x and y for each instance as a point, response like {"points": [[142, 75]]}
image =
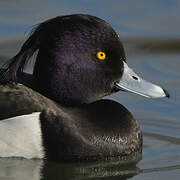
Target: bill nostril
{"points": [[134, 77]]}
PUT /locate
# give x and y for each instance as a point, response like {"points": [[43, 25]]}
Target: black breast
{"points": [[100, 130]]}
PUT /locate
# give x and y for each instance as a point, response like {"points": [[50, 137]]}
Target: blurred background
{"points": [[150, 32]]}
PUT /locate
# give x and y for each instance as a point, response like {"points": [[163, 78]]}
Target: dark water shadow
{"points": [[36, 169], [97, 170], [151, 45], [18, 168]]}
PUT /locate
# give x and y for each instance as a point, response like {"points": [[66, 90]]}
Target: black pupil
{"points": [[101, 54]]}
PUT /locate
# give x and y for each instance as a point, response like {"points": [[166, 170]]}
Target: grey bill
{"points": [[131, 82]]}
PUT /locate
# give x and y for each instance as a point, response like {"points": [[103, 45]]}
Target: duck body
{"points": [[80, 60], [100, 130]]}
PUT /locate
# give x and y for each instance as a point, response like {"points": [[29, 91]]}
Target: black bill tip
{"points": [[167, 93]]}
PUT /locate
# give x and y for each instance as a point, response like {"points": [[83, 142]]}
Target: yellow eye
{"points": [[101, 55]]}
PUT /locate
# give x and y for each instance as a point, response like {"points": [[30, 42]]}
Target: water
{"points": [[150, 31]]}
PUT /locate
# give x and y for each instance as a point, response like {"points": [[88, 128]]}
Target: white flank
{"points": [[20, 136]]}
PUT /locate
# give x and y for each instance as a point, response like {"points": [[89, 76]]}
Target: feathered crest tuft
{"points": [[11, 70], [14, 66]]}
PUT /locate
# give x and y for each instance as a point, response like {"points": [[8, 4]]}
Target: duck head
{"points": [[80, 59]]}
